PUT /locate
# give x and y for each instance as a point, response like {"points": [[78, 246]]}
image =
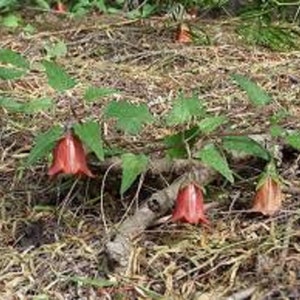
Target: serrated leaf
{"points": [[95, 93], [176, 143], [29, 29], [130, 117], [37, 105], [279, 116], [276, 131], [210, 124], [211, 157], [256, 94], [11, 21], [90, 134], [44, 143], [8, 56], [148, 9], [40, 297], [132, 167], [275, 37], [58, 49], [6, 5], [113, 11], [244, 144], [11, 105], [43, 4], [29, 107], [293, 140], [101, 5], [58, 79], [11, 73], [184, 109]]}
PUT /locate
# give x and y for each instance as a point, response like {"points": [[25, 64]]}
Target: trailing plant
{"points": [[199, 135]]}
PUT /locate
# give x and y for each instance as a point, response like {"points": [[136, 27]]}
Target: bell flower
{"points": [[189, 205], [69, 157], [183, 35], [268, 197]]}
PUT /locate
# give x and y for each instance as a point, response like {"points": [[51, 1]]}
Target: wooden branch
{"points": [[118, 250]]}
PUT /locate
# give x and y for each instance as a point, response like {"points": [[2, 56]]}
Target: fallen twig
{"points": [[119, 248], [242, 295]]}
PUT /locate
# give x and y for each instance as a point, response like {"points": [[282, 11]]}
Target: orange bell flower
{"points": [[69, 157], [60, 8], [189, 205], [268, 197], [183, 35]]}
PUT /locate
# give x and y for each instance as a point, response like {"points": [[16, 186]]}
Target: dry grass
{"points": [[52, 233]]}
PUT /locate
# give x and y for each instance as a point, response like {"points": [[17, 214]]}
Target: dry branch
{"points": [[118, 250]]}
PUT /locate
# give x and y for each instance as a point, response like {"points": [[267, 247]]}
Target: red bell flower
{"points": [[183, 34], [189, 205], [60, 7], [69, 157], [268, 197]]}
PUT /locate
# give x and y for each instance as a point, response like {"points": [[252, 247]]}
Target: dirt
{"points": [[52, 232]]}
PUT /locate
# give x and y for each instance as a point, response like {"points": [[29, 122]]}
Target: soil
{"points": [[53, 232]]}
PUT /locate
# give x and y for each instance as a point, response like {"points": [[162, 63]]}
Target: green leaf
{"points": [[211, 156], [6, 5], [134, 14], [175, 143], [18, 65], [29, 29], [113, 11], [277, 131], [8, 56], [210, 124], [101, 5], [276, 37], [11, 105], [11, 21], [280, 116], [184, 110], [44, 143], [148, 9], [142, 12], [40, 297], [244, 144], [56, 50], [255, 93], [10, 73], [37, 105], [94, 93], [132, 167], [30, 107], [293, 140], [58, 79], [130, 117], [90, 134], [43, 4]]}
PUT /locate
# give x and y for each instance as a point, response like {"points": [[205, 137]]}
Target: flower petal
{"points": [[69, 157], [268, 198], [189, 205]]}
